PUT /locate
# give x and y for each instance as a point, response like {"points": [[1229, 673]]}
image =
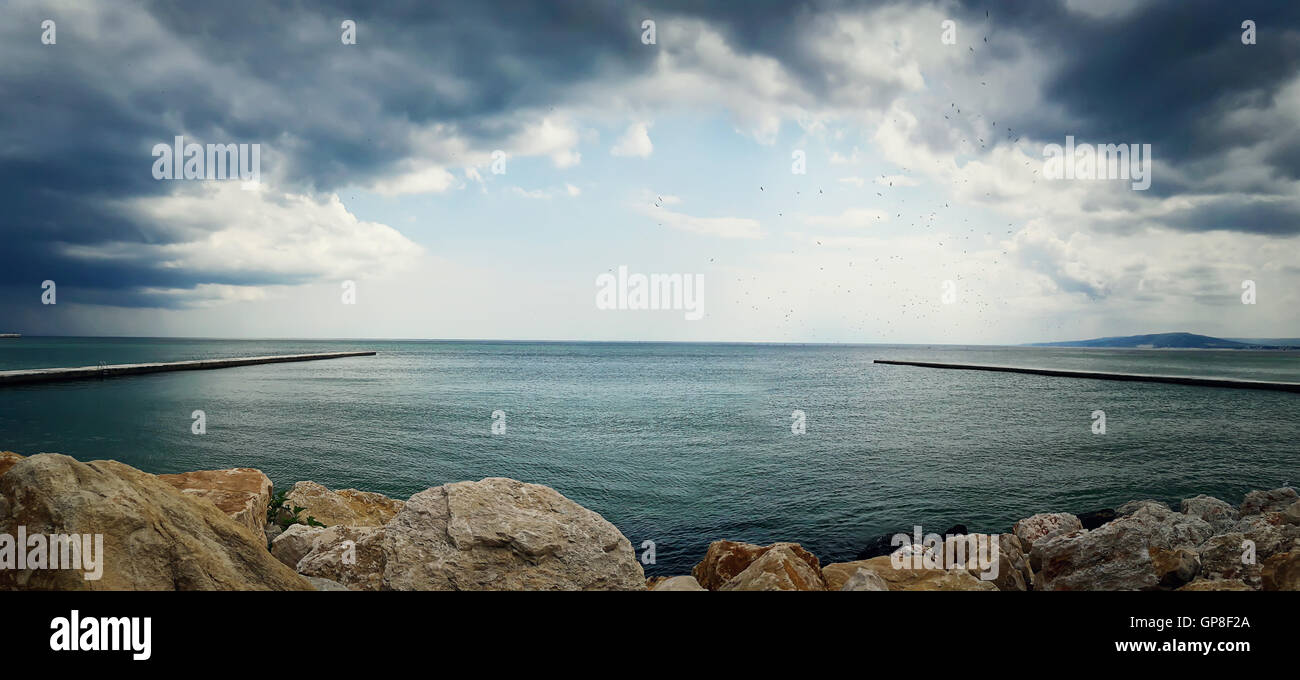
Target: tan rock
{"points": [[345, 506], [1175, 568], [7, 460], [242, 493], [839, 574], [502, 534], [676, 583], [1215, 584], [1282, 571], [778, 568], [726, 559], [154, 536]]}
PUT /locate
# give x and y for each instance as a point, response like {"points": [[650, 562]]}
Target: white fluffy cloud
{"points": [[634, 142], [225, 233]]}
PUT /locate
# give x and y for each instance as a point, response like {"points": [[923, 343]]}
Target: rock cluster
{"points": [[207, 530], [154, 537]]}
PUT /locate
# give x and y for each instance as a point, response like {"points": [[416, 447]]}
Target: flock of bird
{"points": [[888, 302]]}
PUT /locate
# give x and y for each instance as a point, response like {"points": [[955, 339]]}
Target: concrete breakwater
{"points": [[39, 375], [1233, 383]]}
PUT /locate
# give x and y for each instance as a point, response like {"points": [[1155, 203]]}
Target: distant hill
{"points": [[1280, 342], [1164, 341]]}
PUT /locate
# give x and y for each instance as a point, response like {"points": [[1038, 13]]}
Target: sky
{"points": [[822, 171]]}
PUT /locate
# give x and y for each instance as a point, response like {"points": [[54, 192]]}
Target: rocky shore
{"points": [[229, 530]]}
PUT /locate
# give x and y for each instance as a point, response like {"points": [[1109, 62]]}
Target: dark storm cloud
{"points": [[1169, 74], [80, 118]]}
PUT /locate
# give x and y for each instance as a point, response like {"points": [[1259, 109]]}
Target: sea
{"points": [[681, 444]]}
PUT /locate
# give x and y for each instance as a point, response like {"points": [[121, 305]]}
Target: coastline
{"points": [[230, 530]]}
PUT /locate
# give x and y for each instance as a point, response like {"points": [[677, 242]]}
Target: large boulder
{"points": [[779, 568], [1282, 571], [242, 493], [154, 536], [344, 506], [1275, 500], [724, 560], [1044, 526], [502, 534], [1117, 555], [1219, 514]]}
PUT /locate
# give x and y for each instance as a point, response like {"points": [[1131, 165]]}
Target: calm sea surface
{"points": [[682, 444]]}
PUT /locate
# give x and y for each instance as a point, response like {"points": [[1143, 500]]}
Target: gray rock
{"points": [[1292, 513], [1220, 514], [1117, 555], [325, 584], [294, 543], [350, 555], [272, 530], [677, 583], [1044, 526], [1133, 506], [1275, 500], [865, 579], [1271, 534], [501, 534], [1223, 558]]}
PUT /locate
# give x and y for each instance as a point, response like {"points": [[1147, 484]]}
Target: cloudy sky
{"points": [[923, 168]]}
